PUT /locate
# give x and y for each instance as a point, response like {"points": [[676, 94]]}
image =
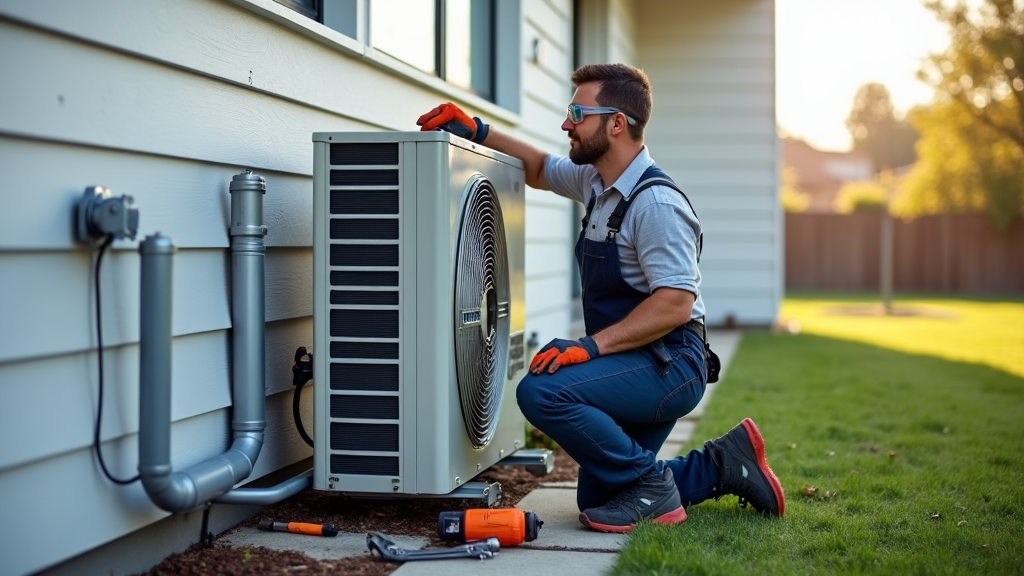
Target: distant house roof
{"points": [[821, 174]]}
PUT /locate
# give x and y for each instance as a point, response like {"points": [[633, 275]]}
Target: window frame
{"points": [[440, 38], [507, 103]]}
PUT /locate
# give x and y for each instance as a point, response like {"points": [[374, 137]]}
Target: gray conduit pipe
{"points": [[269, 495], [214, 478]]}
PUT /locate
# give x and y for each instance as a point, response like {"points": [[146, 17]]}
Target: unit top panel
{"points": [[432, 136]]}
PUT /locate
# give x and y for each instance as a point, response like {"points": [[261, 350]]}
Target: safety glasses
{"points": [[576, 112]]}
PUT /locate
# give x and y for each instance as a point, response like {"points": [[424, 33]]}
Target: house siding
{"points": [[166, 101], [549, 224], [607, 31], [711, 65], [622, 32]]}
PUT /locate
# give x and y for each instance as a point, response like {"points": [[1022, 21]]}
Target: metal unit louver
{"points": [[364, 318], [481, 306]]}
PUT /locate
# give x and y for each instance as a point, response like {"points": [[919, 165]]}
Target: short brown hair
{"points": [[623, 87]]}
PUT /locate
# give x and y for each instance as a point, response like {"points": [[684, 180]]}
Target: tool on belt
{"points": [[387, 549], [511, 526], [299, 528]]}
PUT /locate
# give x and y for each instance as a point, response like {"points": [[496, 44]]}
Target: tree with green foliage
{"points": [[877, 131], [793, 200], [865, 196], [972, 138]]}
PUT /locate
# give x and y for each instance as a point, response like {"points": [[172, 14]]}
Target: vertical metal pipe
{"points": [[157, 255], [248, 306]]}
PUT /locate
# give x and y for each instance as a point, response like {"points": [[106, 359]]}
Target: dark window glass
{"points": [[308, 8]]}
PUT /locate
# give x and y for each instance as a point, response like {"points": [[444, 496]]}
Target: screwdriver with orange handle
{"points": [[299, 528]]}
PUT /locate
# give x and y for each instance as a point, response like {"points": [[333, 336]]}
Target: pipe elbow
{"points": [[204, 482], [248, 446], [170, 492]]}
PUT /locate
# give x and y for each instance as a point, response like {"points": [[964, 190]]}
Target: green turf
{"points": [[888, 438], [979, 331]]}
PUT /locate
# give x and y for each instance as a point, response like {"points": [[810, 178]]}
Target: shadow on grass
{"points": [[917, 465]]}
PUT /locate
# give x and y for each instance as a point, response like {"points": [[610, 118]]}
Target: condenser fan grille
{"points": [[481, 311]]}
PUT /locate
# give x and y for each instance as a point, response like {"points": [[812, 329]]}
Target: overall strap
{"points": [[590, 208], [653, 176]]}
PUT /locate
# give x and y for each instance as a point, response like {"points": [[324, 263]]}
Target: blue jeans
{"points": [[613, 413]]}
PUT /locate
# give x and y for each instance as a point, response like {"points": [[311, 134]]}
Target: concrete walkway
{"points": [[564, 545]]}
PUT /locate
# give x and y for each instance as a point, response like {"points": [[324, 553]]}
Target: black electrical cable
{"points": [[302, 372], [297, 415], [99, 356]]}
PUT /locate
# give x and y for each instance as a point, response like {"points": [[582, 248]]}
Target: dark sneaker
{"points": [[739, 455], [654, 496]]}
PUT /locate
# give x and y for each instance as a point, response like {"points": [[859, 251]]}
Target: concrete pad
{"points": [[344, 545], [669, 450], [516, 560], [682, 431], [562, 528], [567, 484]]}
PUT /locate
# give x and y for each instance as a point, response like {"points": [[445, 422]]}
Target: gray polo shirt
{"points": [[658, 239]]}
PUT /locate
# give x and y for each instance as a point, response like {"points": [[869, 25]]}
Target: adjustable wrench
{"points": [[482, 549]]}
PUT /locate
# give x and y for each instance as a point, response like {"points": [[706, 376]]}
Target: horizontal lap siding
{"points": [[53, 303], [66, 486], [622, 32], [711, 65], [91, 95], [163, 101], [184, 198], [546, 92], [200, 372]]}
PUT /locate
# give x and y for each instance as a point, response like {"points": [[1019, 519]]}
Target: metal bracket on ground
{"points": [[538, 461]]}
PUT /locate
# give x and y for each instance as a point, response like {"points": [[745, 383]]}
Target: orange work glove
{"points": [[558, 353], [451, 118]]}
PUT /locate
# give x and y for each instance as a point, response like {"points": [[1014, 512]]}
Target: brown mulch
{"points": [[257, 561], [416, 517]]}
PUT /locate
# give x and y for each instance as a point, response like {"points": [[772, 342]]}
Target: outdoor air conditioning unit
{"points": [[419, 311]]}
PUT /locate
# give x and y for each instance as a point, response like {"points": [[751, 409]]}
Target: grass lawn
{"points": [[910, 430]]}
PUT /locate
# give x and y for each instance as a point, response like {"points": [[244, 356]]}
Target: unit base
{"points": [[487, 493]]}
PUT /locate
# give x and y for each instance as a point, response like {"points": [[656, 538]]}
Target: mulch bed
{"points": [[389, 517], [256, 561]]}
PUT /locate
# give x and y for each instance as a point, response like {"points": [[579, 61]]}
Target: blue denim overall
{"points": [[613, 413]]}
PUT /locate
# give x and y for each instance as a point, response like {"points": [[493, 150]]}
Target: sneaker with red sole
{"points": [[739, 454], [653, 496]]}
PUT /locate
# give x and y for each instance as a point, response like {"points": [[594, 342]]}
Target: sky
{"points": [[826, 49]]}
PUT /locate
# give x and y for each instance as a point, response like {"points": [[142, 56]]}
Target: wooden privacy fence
{"points": [[948, 253]]}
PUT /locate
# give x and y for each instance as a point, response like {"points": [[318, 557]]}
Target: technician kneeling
{"points": [[611, 398]]}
